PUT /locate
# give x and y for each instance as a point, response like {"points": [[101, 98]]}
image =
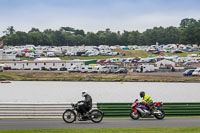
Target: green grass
{"points": [[63, 76], [86, 58], [109, 130], [128, 54], [27, 58], [182, 54], [10, 76]]}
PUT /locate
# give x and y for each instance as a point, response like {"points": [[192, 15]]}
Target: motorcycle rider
{"points": [[146, 99], [87, 104]]}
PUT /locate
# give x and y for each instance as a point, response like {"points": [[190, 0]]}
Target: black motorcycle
{"points": [[71, 115]]}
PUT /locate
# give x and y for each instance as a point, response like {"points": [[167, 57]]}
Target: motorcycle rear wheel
{"points": [[96, 116], [69, 116], [134, 116], [160, 116]]}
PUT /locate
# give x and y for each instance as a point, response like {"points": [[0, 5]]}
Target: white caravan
{"points": [[73, 68], [145, 68]]}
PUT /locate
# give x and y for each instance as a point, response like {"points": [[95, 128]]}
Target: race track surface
{"points": [[106, 123]]}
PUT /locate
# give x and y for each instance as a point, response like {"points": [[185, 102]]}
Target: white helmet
{"points": [[84, 93]]}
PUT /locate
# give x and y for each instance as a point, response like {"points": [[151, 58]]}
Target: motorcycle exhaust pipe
{"points": [[157, 112]]}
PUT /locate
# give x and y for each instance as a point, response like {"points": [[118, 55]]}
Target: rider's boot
{"points": [[79, 116], [152, 110], [85, 116]]}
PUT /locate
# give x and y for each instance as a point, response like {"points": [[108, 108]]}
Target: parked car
{"points": [[50, 54], [155, 52], [121, 70], [196, 72], [187, 63], [30, 55], [6, 67], [63, 69], [1, 67], [101, 61], [178, 51], [188, 72]]}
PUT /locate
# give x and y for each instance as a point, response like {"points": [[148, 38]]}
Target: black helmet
{"points": [[142, 93]]}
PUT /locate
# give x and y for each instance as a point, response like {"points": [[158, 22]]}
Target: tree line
{"points": [[187, 33]]}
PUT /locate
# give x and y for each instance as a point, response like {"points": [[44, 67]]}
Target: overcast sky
{"points": [[94, 15]]}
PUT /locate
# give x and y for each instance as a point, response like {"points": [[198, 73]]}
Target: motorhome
{"points": [[103, 69], [89, 69], [86, 69], [35, 65], [112, 68], [73, 68], [121, 70], [145, 68]]}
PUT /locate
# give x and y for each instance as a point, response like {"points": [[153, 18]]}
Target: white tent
{"points": [[47, 59], [165, 63]]}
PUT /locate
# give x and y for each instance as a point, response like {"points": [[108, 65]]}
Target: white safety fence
{"points": [[21, 110]]}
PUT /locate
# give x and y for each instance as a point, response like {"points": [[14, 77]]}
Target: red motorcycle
{"points": [[140, 110]]}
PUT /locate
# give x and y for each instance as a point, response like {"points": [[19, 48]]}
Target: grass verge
{"points": [[64, 76], [122, 54], [109, 130]]}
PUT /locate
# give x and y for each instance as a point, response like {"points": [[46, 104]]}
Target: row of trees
{"points": [[187, 33]]}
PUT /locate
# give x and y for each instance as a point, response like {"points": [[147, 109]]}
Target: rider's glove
{"points": [[80, 101]]}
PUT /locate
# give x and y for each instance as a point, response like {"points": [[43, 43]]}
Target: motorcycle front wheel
{"points": [[134, 115], [96, 116], [161, 115], [69, 116]]}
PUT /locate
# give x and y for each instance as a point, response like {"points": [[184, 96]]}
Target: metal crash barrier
{"points": [[170, 109], [55, 110], [21, 110]]}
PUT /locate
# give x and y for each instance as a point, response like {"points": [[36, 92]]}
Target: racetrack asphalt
{"points": [[106, 123]]}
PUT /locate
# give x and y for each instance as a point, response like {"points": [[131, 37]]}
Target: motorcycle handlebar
{"points": [[80, 102]]}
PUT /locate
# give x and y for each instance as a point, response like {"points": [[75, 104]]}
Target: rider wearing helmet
{"points": [[146, 99], [87, 103]]}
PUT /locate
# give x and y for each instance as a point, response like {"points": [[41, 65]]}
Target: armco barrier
{"points": [[9, 110], [12, 110], [171, 109]]}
